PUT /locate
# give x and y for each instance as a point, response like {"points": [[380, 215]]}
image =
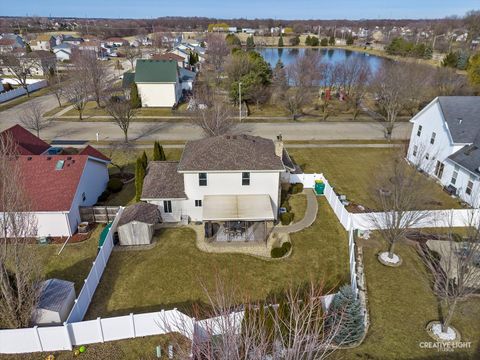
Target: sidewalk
{"points": [[308, 219]]}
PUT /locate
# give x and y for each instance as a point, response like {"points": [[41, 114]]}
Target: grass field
{"points": [[170, 274], [351, 171], [401, 304]]}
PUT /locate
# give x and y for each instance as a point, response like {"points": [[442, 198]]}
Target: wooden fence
{"points": [[98, 214]]}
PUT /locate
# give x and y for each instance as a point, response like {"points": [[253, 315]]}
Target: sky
{"points": [[279, 9]]}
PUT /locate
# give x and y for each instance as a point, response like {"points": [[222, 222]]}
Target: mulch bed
{"points": [[76, 238], [125, 177]]}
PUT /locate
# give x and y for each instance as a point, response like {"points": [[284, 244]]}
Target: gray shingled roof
{"points": [[230, 152], [54, 293], [141, 212], [163, 181], [462, 114], [468, 157]]}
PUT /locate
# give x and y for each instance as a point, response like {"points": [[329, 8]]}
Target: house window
{"points": [[454, 175], [198, 203], [415, 149], [167, 207], [427, 156], [84, 197], [245, 178], [439, 169], [202, 179], [469, 188], [419, 131], [432, 139]]}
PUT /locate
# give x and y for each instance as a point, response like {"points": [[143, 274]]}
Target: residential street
{"points": [[65, 130]]}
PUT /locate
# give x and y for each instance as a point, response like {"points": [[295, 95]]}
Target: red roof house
{"points": [[26, 142]]}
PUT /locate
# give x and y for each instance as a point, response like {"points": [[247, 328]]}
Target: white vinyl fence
{"points": [[12, 94], [91, 282]]}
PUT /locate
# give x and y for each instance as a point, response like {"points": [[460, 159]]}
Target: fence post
{"points": [[132, 322], [96, 271], [100, 329], [90, 295], [67, 336], [37, 336]]}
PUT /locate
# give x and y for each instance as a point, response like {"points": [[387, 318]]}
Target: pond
{"points": [[332, 56]]}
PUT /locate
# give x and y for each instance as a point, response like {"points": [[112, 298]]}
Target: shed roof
{"points": [[54, 293], [156, 71], [141, 212]]}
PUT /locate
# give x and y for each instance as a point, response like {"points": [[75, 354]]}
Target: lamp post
{"points": [[240, 102]]}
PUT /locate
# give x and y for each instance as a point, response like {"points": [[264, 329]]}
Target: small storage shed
{"points": [[56, 300], [137, 224]]}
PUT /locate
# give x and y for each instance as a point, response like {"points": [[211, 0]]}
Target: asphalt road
{"points": [[66, 130]]}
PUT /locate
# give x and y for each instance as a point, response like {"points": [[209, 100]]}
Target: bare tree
{"points": [[76, 91], [293, 329], [400, 196], [353, 75], [216, 119], [217, 51], [454, 263], [123, 113], [132, 54], [95, 73], [57, 88], [32, 118], [446, 82], [19, 67], [20, 273]]}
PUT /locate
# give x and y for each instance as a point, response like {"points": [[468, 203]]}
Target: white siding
{"points": [[92, 182], [159, 95], [229, 183], [177, 209]]}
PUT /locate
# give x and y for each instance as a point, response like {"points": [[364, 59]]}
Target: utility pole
{"points": [[240, 102]]}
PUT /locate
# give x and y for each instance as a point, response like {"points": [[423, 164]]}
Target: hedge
{"points": [[281, 251], [286, 218], [115, 185]]}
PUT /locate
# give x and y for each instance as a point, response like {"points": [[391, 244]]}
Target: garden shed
{"points": [[55, 302], [137, 224]]}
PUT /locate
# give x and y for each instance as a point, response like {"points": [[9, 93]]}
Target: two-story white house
{"points": [[231, 183], [445, 144]]}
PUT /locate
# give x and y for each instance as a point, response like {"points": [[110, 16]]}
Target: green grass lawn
{"points": [[170, 274], [91, 109], [351, 171], [298, 203], [401, 304], [73, 263]]}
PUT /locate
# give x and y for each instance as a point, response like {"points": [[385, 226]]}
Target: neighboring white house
{"points": [[57, 185], [224, 180], [55, 303], [63, 52], [445, 143], [158, 83]]}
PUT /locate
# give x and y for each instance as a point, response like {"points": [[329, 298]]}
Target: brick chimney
{"points": [[279, 146]]}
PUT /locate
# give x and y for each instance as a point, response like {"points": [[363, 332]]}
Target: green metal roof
{"points": [[156, 71]]}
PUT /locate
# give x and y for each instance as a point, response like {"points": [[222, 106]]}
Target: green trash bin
{"points": [[103, 235], [319, 187]]}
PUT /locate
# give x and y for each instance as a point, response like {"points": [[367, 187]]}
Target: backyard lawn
{"points": [[73, 263], [351, 171], [401, 304], [298, 203], [170, 274]]}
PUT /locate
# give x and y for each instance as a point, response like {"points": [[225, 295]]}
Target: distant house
{"points": [[171, 57], [43, 42], [116, 41], [72, 40], [184, 53], [445, 144], [11, 42], [63, 52], [158, 83], [57, 185], [55, 303], [43, 62]]}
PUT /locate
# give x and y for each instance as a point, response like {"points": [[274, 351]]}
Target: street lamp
{"points": [[240, 102]]}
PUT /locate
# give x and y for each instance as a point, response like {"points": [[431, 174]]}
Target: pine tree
{"points": [[314, 41], [144, 160], [350, 40], [462, 62], [134, 96], [324, 42], [139, 176], [156, 151], [280, 41], [346, 314], [450, 60], [331, 41], [308, 40], [250, 42], [163, 157]]}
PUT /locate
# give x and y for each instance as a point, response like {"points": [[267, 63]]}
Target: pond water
{"points": [[287, 56]]}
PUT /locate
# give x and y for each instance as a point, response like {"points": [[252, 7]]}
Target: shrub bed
{"points": [[115, 185], [281, 251]]}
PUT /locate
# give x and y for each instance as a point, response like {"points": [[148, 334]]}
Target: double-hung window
{"points": [[167, 206], [202, 179], [419, 130], [245, 178]]}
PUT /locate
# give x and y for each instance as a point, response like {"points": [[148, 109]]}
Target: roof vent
{"points": [[459, 121], [69, 158], [49, 158], [29, 158]]}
